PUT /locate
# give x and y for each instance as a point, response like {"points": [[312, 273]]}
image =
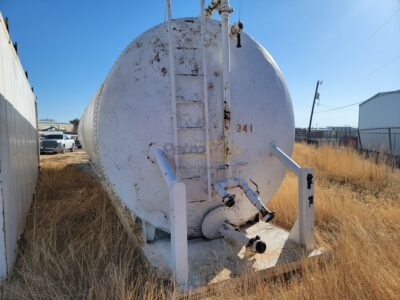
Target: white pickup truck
{"points": [[56, 142]]}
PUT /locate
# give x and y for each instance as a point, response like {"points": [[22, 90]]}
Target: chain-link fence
{"points": [[345, 137], [380, 140]]}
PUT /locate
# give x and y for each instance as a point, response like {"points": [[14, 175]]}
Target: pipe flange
{"points": [[215, 219]]}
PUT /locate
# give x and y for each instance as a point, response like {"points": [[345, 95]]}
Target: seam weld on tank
{"points": [[132, 112]]}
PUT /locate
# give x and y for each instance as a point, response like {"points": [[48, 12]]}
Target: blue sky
{"points": [[68, 47]]}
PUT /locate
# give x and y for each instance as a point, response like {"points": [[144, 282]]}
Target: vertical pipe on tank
{"points": [[205, 92], [171, 43], [225, 10]]}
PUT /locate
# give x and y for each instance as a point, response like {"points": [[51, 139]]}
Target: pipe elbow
{"points": [[227, 199]]}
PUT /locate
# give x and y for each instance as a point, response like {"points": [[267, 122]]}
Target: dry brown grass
{"points": [[357, 216], [75, 248], [344, 165]]}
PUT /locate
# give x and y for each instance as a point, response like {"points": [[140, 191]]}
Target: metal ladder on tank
{"points": [[191, 129], [176, 187]]}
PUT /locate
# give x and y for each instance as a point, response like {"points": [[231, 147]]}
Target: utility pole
{"points": [[316, 96]]}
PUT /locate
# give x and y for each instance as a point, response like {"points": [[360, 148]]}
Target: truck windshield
{"points": [[54, 137]]}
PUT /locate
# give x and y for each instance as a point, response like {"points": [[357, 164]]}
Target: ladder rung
{"points": [[191, 127], [187, 48], [190, 101], [196, 177], [193, 151], [189, 74]]}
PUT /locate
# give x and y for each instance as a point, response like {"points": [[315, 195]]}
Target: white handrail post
{"points": [[178, 218], [179, 245], [303, 230], [306, 208]]}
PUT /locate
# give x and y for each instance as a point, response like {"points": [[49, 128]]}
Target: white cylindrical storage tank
{"points": [[133, 112]]}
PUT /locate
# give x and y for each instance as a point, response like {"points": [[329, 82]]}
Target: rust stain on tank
{"points": [[195, 70], [228, 151], [227, 116]]}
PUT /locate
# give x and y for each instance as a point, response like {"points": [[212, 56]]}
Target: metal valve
{"points": [[255, 244], [268, 215], [229, 200], [236, 29]]}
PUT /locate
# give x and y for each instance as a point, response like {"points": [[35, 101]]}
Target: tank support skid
{"points": [[199, 262]]}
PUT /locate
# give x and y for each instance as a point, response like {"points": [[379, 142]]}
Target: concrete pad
{"points": [[217, 260]]}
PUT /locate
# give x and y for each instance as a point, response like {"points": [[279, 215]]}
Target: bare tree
{"points": [[75, 122]]}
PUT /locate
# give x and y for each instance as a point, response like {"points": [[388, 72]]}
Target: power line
{"points": [[327, 105], [375, 32], [340, 107], [365, 42], [359, 81], [382, 66], [362, 45]]}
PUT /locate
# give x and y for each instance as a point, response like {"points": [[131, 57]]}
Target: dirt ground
{"points": [[79, 156], [74, 246]]}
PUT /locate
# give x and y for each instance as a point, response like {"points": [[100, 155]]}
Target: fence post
{"points": [[390, 141]]}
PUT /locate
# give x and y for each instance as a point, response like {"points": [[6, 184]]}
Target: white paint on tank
{"points": [[132, 111]]}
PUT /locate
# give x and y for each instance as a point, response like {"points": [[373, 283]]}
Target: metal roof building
{"points": [[19, 149], [59, 126], [379, 122]]}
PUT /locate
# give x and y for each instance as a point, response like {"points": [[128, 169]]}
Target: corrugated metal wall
{"points": [[18, 149], [379, 123]]}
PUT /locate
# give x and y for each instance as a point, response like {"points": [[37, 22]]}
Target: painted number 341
{"points": [[244, 128]]}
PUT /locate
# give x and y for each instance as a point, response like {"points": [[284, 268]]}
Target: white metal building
{"points": [[19, 155], [379, 123], [58, 126]]}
